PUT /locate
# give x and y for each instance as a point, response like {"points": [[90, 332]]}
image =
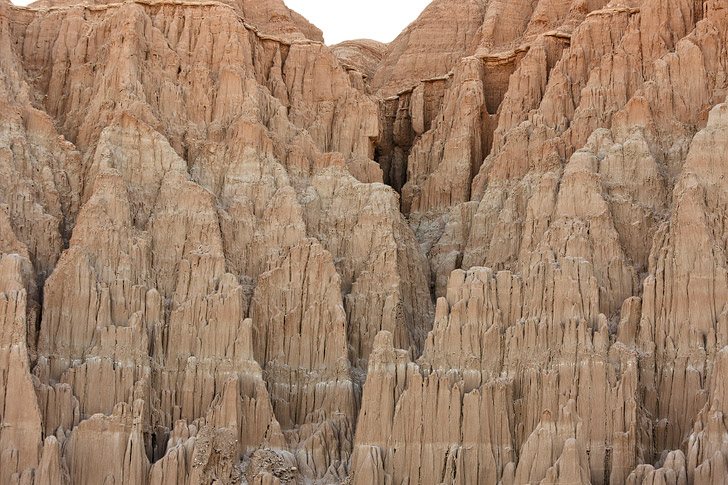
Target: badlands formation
{"points": [[493, 251]]}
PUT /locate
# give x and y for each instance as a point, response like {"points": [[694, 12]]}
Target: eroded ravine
{"points": [[224, 245]]}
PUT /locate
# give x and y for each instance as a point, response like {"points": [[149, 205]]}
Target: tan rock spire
{"points": [[491, 252]]}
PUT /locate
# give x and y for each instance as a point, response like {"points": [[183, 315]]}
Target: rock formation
{"points": [[492, 251]]}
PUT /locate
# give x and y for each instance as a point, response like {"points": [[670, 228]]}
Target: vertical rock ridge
{"points": [[492, 251]]}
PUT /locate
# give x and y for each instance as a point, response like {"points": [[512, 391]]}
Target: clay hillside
{"points": [[493, 251]]}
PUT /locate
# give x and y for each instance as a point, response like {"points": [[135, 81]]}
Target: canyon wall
{"points": [[493, 251]]}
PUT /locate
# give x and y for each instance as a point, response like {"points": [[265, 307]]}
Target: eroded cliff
{"points": [[493, 251]]}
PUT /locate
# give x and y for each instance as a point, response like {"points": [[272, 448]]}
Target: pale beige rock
{"points": [[384, 273], [492, 251], [274, 18], [695, 289], [362, 55], [551, 448], [431, 45], [185, 210], [21, 439], [568, 468]]}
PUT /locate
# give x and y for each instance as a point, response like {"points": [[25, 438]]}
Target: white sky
{"points": [[340, 20], [380, 20]]}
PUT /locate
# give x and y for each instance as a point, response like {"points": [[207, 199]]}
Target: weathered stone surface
{"points": [[492, 251], [431, 45], [361, 55], [485, 357]]}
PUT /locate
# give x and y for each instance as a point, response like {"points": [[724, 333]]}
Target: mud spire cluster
{"points": [[494, 251]]}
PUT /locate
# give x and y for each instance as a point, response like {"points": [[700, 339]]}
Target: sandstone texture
{"points": [[493, 251]]}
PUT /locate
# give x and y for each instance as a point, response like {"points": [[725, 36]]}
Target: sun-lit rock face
{"points": [[492, 251]]}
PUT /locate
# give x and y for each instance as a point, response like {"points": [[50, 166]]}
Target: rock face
{"points": [[360, 56], [493, 251]]}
